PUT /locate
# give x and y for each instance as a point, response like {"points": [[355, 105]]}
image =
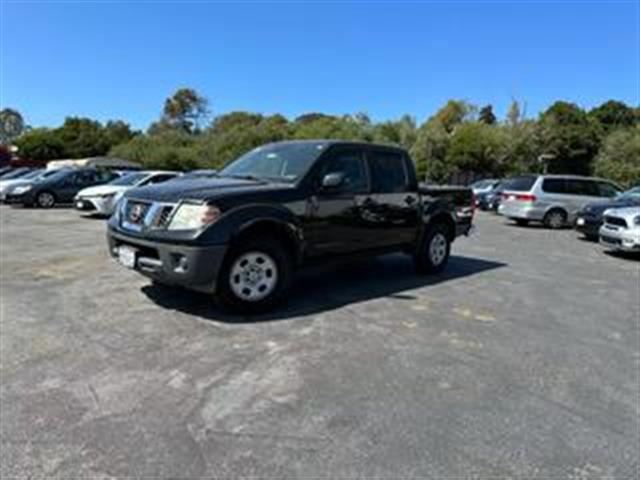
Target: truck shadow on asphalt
{"points": [[322, 289]]}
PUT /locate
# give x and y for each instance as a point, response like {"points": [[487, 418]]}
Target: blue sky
{"points": [[120, 60]]}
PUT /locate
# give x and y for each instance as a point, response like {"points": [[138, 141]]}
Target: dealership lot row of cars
{"points": [[597, 208]]}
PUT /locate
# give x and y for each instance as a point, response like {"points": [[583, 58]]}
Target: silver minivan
{"points": [[553, 200]]}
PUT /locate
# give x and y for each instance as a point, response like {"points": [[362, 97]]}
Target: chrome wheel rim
{"points": [[253, 276], [46, 200], [438, 249]]}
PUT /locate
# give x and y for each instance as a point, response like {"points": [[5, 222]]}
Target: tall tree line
{"points": [[459, 137]]}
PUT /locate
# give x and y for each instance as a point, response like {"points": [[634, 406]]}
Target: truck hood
{"points": [[201, 189]]}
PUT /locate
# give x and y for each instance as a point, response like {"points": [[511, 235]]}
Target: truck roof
{"points": [[331, 142]]}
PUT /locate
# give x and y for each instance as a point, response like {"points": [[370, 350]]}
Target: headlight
{"points": [[192, 217], [22, 189], [636, 220], [107, 196]]}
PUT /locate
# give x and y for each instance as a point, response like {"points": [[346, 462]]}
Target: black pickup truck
{"points": [[242, 233]]}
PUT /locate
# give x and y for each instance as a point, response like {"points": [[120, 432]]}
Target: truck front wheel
{"points": [[254, 276], [433, 253]]}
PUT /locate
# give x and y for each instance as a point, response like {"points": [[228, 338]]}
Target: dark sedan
{"points": [[589, 219], [59, 188], [490, 200]]}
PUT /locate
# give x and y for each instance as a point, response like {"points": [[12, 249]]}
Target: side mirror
{"points": [[333, 180]]}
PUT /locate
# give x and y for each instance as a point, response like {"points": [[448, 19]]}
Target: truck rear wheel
{"points": [[255, 275], [433, 253]]}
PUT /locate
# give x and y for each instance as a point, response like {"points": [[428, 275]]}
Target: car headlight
{"points": [[107, 196], [22, 189], [636, 220], [192, 217]]}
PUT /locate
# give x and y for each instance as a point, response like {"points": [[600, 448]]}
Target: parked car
{"points": [[553, 200], [621, 229], [59, 188], [490, 199], [7, 186], [589, 218], [281, 206], [484, 186], [102, 199]]}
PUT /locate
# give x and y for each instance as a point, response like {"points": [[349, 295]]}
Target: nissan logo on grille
{"points": [[136, 214]]}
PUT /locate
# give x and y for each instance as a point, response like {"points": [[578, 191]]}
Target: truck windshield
{"points": [[281, 162]]}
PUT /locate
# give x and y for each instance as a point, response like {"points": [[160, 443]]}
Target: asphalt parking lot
{"points": [[521, 360]]}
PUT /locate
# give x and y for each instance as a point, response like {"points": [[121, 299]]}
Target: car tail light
{"points": [[521, 197]]}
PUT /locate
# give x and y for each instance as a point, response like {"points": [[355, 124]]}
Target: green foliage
{"points": [[477, 147], [568, 137], [40, 144], [11, 125], [619, 158], [614, 114], [458, 138]]}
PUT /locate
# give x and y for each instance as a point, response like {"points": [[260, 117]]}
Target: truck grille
{"points": [[162, 218], [138, 215], [617, 221], [135, 212]]}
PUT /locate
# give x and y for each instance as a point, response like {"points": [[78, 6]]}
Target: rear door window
{"points": [[582, 187], [519, 184], [554, 185], [388, 172]]}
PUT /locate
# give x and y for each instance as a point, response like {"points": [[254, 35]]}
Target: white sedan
{"points": [[102, 199]]}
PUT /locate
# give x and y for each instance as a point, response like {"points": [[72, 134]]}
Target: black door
{"points": [[393, 206], [335, 224]]}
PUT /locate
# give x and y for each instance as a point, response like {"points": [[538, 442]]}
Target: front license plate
{"points": [[127, 256], [580, 222]]}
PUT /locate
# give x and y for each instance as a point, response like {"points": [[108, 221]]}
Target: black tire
{"points": [[45, 199], [521, 222], [274, 253], [555, 219], [425, 259]]}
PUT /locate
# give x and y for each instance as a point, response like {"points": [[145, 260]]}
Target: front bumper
{"points": [[620, 239], [100, 205], [587, 225], [21, 199], [194, 267]]}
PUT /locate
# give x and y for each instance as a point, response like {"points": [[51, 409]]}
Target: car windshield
{"points": [[282, 162], [482, 184], [32, 175], [129, 179], [633, 194]]}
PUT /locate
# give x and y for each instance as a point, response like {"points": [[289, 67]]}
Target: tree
{"points": [[185, 110], [619, 158], [514, 114], [475, 147], [486, 115], [11, 125], [82, 138], [568, 137], [454, 113], [40, 144], [613, 114], [429, 152]]}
